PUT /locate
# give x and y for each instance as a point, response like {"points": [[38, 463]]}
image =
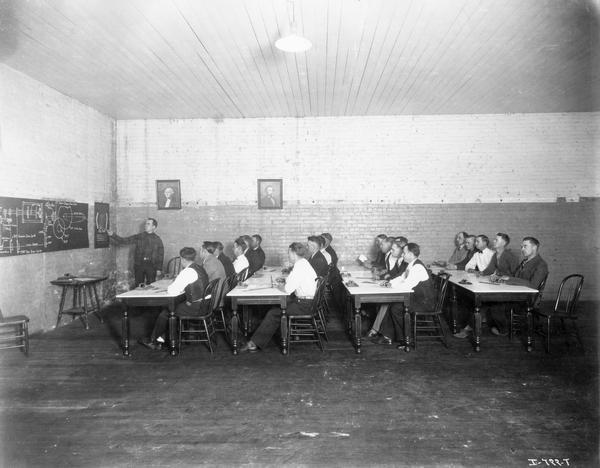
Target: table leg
{"points": [[172, 329], [357, 328], [530, 329], [125, 332], [235, 325], [348, 315], [245, 319], [284, 329], [477, 318], [61, 307], [97, 311], [454, 311], [84, 316], [406, 329]]}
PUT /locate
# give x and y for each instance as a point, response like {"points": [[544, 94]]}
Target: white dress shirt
{"points": [[186, 276], [240, 263], [390, 261], [413, 275], [481, 260], [302, 280]]}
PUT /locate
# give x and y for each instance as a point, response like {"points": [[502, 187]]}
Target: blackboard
{"points": [[32, 226], [101, 225]]}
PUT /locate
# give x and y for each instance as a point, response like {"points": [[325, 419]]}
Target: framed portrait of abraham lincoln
{"points": [[270, 194]]}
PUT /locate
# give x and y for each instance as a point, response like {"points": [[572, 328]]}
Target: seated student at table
{"points": [[224, 259], [416, 277], [317, 259], [460, 249], [396, 270], [530, 272], [386, 248], [328, 238], [241, 261], [302, 283], [192, 280], [379, 261], [482, 256], [504, 261], [470, 246], [211, 264], [324, 251], [257, 260]]}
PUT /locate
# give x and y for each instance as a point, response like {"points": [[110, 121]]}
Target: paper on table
{"points": [[362, 258]]}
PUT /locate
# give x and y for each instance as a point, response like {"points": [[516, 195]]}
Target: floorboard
{"points": [[76, 401]]}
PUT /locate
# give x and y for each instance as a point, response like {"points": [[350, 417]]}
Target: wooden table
{"points": [[259, 289], [370, 291], [153, 295], [83, 287], [482, 290]]}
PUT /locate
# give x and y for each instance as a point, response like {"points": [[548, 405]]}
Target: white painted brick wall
{"points": [[404, 159]]}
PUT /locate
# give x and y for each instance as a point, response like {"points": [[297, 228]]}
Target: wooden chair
{"points": [[14, 332], [219, 307], [565, 308], [518, 316], [306, 328], [173, 267], [200, 328], [429, 322]]}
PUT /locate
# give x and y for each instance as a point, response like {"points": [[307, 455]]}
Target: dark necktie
{"points": [[520, 269]]}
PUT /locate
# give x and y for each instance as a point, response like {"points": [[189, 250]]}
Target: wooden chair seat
{"points": [[14, 332]]}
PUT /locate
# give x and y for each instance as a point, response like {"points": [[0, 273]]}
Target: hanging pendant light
{"points": [[293, 42]]}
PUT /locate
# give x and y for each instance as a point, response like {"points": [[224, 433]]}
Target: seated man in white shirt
{"points": [[302, 282], [192, 280], [415, 277], [482, 258], [241, 261]]}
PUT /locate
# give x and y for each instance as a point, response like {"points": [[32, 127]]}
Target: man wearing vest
{"points": [[416, 277], [192, 280]]}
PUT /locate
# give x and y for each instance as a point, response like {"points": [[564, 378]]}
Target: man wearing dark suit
{"points": [[503, 262], [531, 272], [224, 259], [269, 200], [317, 259], [257, 253], [328, 238]]}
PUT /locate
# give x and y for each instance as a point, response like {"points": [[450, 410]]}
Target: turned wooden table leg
{"points": [[357, 328], [406, 329], [477, 318], [125, 332], [172, 330], [284, 330], [235, 326]]}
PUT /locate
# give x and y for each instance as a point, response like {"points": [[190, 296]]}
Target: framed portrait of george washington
{"points": [[270, 194], [168, 194]]}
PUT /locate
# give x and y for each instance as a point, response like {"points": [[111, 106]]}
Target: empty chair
{"points": [[200, 328], [14, 332], [429, 322], [518, 316], [306, 328], [565, 309], [173, 267]]}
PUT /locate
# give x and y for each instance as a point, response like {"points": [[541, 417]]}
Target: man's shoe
{"points": [[384, 340], [461, 334], [497, 332], [372, 333], [151, 345], [247, 348]]}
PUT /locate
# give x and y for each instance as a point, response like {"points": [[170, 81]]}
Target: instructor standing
{"points": [[149, 252]]}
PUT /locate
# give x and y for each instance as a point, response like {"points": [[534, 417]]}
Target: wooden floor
{"points": [[77, 402]]}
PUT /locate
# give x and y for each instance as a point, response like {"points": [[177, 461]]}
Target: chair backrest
{"points": [[243, 275], [568, 295], [211, 290], [538, 297], [231, 281], [319, 297], [442, 292], [220, 293], [173, 267]]}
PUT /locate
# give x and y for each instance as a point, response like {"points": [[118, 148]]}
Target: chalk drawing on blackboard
{"points": [[32, 226]]}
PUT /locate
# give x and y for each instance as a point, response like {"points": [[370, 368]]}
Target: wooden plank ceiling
{"points": [[216, 59]]}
